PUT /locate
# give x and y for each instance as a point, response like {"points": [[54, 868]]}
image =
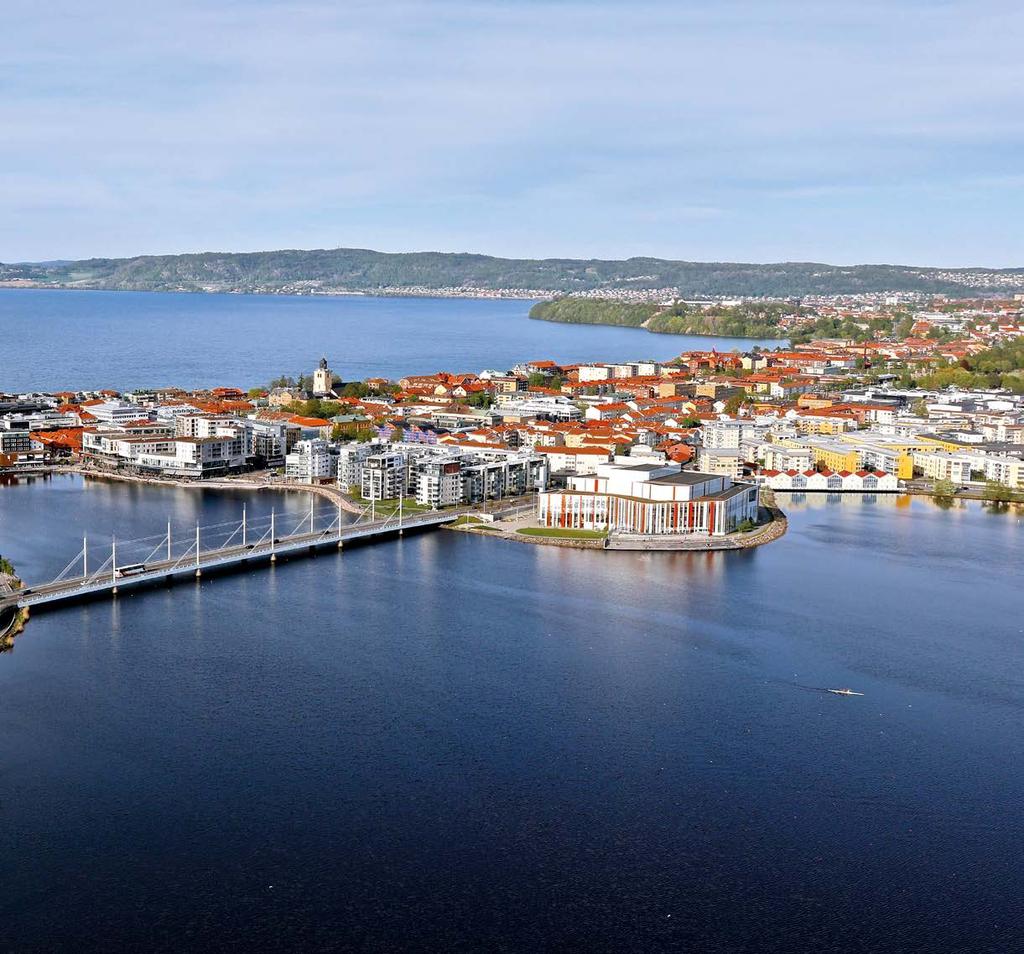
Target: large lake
{"points": [[57, 340], [456, 743]]}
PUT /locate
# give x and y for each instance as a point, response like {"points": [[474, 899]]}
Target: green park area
{"points": [[563, 534]]}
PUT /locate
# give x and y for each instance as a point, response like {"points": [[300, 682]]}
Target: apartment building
{"points": [[384, 476], [311, 461], [731, 433], [271, 441], [191, 457], [352, 458], [727, 461], [941, 465]]}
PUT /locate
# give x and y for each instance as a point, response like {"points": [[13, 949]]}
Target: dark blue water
{"points": [[455, 743], [64, 340]]}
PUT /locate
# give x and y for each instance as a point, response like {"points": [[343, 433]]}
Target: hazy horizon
{"points": [[454, 251]]}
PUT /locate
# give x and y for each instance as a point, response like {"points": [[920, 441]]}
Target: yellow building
{"points": [[823, 425], [835, 457]]}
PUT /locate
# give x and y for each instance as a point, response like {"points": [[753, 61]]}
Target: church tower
{"points": [[323, 379]]}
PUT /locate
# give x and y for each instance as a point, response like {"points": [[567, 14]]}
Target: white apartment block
{"points": [[942, 466], [194, 457], [1003, 469], [311, 462], [724, 434], [384, 476], [351, 458], [117, 412]]}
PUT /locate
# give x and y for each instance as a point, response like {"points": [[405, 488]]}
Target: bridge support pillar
{"points": [[273, 558], [199, 573], [113, 591]]}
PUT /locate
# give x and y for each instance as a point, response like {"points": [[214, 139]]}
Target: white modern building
{"points": [[649, 499], [194, 457], [351, 458], [117, 412], [384, 476], [939, 465], [311, 462], [519, 407]]}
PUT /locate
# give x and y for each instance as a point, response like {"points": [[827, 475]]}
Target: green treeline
{"points": [[749, 320], [594, 311]]}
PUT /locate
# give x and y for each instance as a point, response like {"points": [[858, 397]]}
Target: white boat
{"points": [[844, 692]]}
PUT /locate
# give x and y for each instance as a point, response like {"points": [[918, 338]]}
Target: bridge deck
{"points": [[296, 544]]}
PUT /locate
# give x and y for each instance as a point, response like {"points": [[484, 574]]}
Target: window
{"points": [[835, 482], [871, 482], [800, 482]]}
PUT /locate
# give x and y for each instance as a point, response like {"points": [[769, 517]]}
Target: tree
{"points": [[480, 399], [355, 389], [733, 405], [537, 380], [345, 432], [998, 492], [944, 488], [255, 392]]}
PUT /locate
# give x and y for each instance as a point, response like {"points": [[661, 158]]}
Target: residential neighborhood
{"points": [[672, 447]]}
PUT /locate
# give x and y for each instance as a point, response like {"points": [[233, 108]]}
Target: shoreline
{"points": [[224, 483], [664, 334], [484, 295], [774, 527], [321, 490], [13, 628]]}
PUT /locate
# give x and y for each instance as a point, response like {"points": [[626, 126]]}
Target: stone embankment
{"points": [[511, 533]]}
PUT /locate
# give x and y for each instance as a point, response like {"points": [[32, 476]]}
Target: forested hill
{"points": [[361, 270], [747, 320]]}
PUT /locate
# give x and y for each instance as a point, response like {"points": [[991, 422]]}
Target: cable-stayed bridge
{"points": [[99, 569]]}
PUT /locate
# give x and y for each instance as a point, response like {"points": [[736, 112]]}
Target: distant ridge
{"points": [[352, 270]]}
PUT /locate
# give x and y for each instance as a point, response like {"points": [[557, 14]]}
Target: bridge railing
{"points": [[176, 550]]}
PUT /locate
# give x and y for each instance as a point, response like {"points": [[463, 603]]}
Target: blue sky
{"points": [[740, 131]]}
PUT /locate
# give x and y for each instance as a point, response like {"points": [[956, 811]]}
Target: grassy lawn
{"points": [[464, 519], [385, 508], [563, 534]]}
